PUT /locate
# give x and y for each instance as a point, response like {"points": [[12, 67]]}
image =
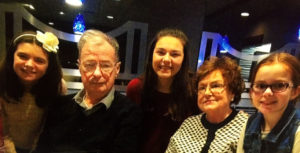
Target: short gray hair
{"points": [[93, 33]]}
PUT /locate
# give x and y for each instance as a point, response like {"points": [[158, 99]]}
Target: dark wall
{"points": [[275, 22], [185, 15]]}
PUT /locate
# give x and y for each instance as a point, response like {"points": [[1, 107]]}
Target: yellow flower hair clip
{"points": [[49, 41]]}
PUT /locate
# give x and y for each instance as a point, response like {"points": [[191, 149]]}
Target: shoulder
{"points": [[189, 128], [63, 99], [192, 119], [297, 114], [135, 83], [296, 146], [121, 98], [191, 122], [239, 120], [122, 102], [124, 110], [135, 86], [62, 103], [134, 90], [242, 116]]}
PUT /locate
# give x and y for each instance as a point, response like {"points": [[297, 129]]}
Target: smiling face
{"points": [[213, 94], [167, 57], [98, 67], [30, 63], [268, 102]]}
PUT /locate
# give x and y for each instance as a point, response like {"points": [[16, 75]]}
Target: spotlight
{"points": [[245, 14], [74, 2]]}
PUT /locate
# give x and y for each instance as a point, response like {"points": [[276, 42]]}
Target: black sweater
{"points": [[69, 128]]}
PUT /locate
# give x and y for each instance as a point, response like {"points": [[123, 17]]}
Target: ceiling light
{"points": [[29, 6], [61, 13], [110, 17], [245, 14], [223, 51], [51, 23], [74, 2]]}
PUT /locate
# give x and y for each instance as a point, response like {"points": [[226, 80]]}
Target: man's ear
{"points": [[295, 92], [78, 62], [78, 65], [118, 65]]}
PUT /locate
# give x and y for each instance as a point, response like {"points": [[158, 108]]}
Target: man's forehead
{"points": [[97, 43], [98, 52]]}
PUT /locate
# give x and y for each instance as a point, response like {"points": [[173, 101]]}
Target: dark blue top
{"points": [[69, 128]]}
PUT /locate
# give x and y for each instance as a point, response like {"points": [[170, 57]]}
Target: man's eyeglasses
{"points": [[214, 88], [105, 68], [275, 87]]}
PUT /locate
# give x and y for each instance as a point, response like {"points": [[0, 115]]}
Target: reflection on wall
{"points": [[132, 46], [246, 65]]}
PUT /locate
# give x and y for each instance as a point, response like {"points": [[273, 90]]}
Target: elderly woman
{"points": [[218, 128]]}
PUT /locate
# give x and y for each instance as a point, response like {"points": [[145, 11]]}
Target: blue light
{"points": [[78, 24], [225, 45], [299, 34]]}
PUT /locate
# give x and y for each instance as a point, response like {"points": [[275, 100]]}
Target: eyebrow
{"points": [[215, 81], [173, 50], [274, 81]]}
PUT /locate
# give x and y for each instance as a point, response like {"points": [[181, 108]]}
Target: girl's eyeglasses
{"points": [[275, 87]]}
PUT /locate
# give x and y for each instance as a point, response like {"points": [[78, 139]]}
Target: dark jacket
{"points": [[279, 140], [71, 129]]}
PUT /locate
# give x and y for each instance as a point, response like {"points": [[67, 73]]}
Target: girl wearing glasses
{"points": [[275, 87], [218, 128], [30, 79], [165, 91]]}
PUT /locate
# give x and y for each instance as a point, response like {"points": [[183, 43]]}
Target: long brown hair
{"points": [[183, 97], [47, 87]]}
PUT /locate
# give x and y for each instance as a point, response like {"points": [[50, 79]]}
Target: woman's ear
{"points": [[295, 92], [231, 97], [250, 94]]}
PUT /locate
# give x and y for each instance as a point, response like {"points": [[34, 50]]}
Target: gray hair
{"points": [[93, 33]]}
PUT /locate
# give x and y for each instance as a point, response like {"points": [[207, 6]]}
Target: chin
{"points": [[164, 75], [28, 81]]}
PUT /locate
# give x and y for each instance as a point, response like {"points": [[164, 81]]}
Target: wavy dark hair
{"points": [[231, 73], [183, 97], [286, 59], [48, 87]]}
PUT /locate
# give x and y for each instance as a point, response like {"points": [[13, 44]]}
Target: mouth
{"points": [[164, 67], [97, 83], [264, 103], [28, 72], [208, 101]]}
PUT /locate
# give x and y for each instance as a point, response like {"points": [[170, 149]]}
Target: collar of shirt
{"points": [[107, 100]]}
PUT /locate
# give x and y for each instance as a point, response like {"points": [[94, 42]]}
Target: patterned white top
{"points": [[196, 134]]}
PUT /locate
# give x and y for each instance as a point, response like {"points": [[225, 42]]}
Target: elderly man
{"points": [[97, 118]]}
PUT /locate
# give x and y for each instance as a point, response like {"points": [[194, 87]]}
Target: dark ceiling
{"points": [[95, 12], [192, 16]]}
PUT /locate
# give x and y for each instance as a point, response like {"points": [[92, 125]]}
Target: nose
{"points": [[29, 63], [268, 92], [97, 72], [207, 91], [166, 58]]}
